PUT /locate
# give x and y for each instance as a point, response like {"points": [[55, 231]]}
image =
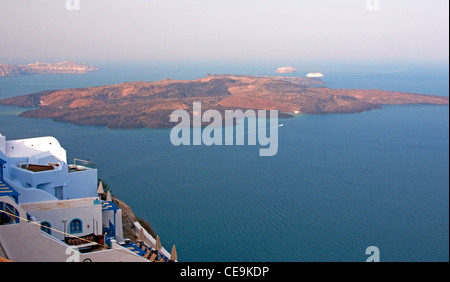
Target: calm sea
{"points": [[339, 183]]}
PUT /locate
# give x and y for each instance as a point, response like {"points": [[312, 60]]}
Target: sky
{"points": [[224, 31]]}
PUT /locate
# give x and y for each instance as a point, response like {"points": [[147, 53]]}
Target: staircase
{"points": [[5, 188]]}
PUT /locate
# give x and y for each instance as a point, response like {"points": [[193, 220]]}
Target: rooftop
{"points": [[60, 204]]}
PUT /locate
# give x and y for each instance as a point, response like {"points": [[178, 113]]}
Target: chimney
{"points": [[2, 144]]}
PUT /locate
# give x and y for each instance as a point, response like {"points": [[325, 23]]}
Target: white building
{"points": [[50, 210]]}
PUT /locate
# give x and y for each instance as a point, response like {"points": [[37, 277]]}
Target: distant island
{"points": [[149, 104], [45, 68], [286, 70]]}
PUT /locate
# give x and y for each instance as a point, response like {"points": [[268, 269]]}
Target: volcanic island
{"points": [[149, 104]]}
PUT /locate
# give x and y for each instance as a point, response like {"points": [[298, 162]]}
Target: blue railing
{"points": [[143, 249]]}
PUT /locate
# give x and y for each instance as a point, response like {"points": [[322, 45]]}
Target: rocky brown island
{"points": [[149, 104], [45, 68]]}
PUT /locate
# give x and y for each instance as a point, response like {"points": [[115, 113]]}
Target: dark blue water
{"points": [[339, 183]]}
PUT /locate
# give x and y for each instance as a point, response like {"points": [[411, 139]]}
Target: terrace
{"points": [[80, 165]]}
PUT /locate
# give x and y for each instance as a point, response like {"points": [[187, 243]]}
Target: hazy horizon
{"points": [[200, 31]]}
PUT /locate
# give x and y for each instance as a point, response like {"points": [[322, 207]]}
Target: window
{"points": [[76, 226], [45, 226], [10, 216]]}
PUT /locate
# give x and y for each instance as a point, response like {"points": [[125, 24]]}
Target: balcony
{"points": [[80, 165]]}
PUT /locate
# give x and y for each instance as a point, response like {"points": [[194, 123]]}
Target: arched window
{"points": [[76, 226], [45, 226]]}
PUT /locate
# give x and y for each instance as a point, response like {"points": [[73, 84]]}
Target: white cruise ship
{"points": [[314, 74], [53, 211]]}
